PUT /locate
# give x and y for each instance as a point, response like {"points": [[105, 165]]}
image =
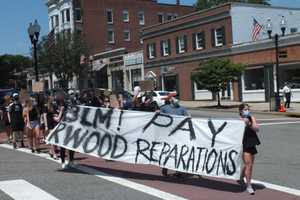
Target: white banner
{"points": [[199, 146]]}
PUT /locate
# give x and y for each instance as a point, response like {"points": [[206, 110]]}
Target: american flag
{"points": [[256, 30]]}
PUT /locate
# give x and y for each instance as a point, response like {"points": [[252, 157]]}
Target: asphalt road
{"points": [[69, 184], [278, 160], [277, 163]]}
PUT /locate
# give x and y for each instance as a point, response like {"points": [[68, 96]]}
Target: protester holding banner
{"points": [[250, 141], [172, 107], [48, 114], [60, 109], [32, 120]]}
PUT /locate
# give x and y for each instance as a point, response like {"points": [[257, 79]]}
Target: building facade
{"points": [[63, 16], [115, 26], [174, 49]]}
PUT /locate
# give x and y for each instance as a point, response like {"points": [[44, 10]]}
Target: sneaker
{"points": [[55, 157], [63, 166], [32, 150], [70, 164], [15, 145], [250, 190]]}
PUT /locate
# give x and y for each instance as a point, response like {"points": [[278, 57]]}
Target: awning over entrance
{"points": [[98, 65]]}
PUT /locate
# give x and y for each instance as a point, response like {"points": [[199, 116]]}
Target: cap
{"points": [[15, 95]]}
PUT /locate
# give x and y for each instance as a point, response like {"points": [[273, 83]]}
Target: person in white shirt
{"points": [[287, 93]]}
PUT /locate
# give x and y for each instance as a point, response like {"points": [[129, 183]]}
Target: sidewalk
{"points": [[232, 106]]}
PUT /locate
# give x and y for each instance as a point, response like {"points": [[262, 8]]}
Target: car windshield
{"points": [[163, 93]]}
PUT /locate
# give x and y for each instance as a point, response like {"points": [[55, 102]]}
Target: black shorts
{"points": [[251, 150]]}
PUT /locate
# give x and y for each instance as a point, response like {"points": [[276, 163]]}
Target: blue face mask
{"points": [[246, 113]]}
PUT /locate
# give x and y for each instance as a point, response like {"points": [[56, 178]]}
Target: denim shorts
{"points": [[34, 124]]}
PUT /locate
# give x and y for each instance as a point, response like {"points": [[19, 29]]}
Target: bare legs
{"points": [[248, 159]]}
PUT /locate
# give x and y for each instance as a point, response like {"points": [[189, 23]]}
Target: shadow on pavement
{"points": [[186, 180]]}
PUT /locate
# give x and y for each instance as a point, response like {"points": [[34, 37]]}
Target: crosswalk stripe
{"points": [[23, 190]]}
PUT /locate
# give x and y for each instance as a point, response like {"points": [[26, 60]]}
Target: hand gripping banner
{"points": [[210, 147]]}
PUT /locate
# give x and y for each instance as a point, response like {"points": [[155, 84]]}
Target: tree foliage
{"points": [[11, 64], [215, 74], [62, 56], [205, 4]]}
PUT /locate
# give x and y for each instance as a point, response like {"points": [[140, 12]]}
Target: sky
{"points": [[15, 16]]}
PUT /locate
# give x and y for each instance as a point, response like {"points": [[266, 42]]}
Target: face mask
{"points": [[246, 113]]}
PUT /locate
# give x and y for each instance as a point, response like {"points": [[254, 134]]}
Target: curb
{"points": [[289, 114]]}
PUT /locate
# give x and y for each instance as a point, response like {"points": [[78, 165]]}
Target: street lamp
{"points": [[34, 32], [269, 27], [91, 59]]}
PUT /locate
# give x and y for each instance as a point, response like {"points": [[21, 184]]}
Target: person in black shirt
{"points": [[15, 118], [49, 113], [250, 141]]}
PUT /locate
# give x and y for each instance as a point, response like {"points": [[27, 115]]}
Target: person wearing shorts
{"points": [[15, 117], [250, 141], [33, 125]]}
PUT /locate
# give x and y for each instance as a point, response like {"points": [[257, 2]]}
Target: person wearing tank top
{"points": [[32, 124]]}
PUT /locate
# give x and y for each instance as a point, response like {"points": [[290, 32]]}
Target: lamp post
{"points": [[34, 32], [91, 59], [269, 27]]}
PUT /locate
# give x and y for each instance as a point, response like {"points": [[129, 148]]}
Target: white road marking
{"points": [[278, 187], [278, 123], [147, 189], [23, 190], [130, 184], [124, 182], [277, 119]]}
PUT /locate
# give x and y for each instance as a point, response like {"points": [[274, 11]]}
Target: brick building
{"points": [[112, 29], [174, 49]]}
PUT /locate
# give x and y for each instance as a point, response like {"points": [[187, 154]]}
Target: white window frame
{"points": [[113, 36], [125, 13], [52, 21], [151, 51], [56, 19], [181, 44], [165, 48], [68, 11], [197, 40], [141, 22], [126, 31], [217, 44], [62, 14], [170, 15], [162, 17], [112, 16]]}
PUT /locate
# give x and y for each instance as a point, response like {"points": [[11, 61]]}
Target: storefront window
{"points": [[254, 79], [291, 75]]}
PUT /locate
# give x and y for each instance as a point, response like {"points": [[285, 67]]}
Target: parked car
{"points": [[159, 97]]}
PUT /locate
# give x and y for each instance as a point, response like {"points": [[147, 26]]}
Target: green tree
{"points": [[215, 74], [10, 65], [62, 56], [205, 4]]}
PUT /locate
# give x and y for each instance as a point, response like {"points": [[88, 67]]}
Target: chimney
{"points": [[177, 2]]}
